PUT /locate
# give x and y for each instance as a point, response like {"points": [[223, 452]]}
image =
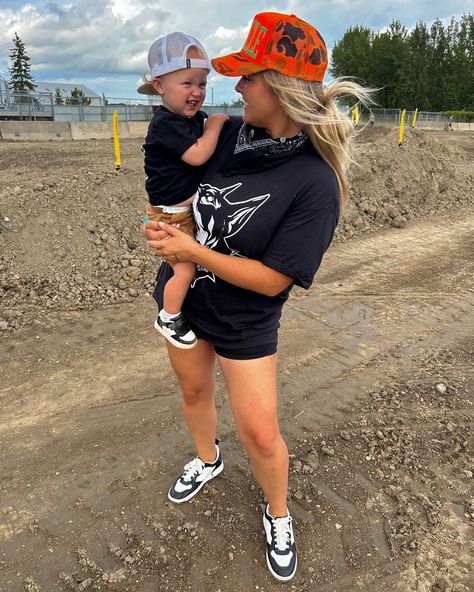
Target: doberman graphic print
{"points": [[218, 220]]}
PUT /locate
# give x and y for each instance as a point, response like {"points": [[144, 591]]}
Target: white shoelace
{"points": [[282, 532], [192, 469]]}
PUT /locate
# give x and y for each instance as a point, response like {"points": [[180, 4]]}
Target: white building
{"points": [[66, 90]]}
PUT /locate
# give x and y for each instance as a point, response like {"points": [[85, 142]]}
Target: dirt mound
{"points": [[393, 184], [70, 225]]}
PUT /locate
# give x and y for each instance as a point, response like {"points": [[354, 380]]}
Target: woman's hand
{"points": [[154, 233], [169, 242], [176, 246]]}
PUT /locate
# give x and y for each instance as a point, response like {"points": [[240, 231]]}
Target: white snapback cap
{"points": [[168, 54]]}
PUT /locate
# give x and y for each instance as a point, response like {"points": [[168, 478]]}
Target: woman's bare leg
{"points": [[253, 397], [195, 371]]}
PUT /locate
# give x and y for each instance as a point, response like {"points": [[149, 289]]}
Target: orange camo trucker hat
{"points": [[281, 42]]}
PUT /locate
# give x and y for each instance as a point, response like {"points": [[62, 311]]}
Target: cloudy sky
{"points": [[103, 44]]}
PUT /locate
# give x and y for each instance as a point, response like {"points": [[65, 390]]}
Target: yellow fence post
{"points": [[402, 127], [414, 117], [355, 116], [116, 142]]}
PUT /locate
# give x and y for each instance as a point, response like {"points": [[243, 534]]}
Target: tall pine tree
{"points": [[439, 54], [418, 70], [461, 68], [21, 78]]}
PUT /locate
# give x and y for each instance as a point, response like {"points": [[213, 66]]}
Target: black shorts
{"points": [[249, 353], [238, 351]]}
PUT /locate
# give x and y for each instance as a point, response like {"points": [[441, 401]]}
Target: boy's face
{"points": [[183, 92]]}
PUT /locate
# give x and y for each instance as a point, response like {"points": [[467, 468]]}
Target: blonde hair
{"points": [[311, 106], [195, 53]]}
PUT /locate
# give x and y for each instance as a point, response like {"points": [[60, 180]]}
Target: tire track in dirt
{"points": [[380, 458]]}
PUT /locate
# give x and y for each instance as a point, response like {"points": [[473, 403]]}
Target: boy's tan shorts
{"points": [[184, 219]]}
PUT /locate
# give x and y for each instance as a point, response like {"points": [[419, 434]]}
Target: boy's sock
{"points": [[167, 317]]}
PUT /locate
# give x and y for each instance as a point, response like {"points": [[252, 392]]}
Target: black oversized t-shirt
{"points": [[169, 179], [284, 217]]}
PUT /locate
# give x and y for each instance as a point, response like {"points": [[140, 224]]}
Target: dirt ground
{"points": [[375, 376]]}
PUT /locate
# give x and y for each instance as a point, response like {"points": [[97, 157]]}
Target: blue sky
{"points": [[103, 44]]}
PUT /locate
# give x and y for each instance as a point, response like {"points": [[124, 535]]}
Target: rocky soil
{"points": [[375, 382], [70, 224]]}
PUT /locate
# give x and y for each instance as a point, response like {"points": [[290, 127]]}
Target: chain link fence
{"points": [[43, 106], [424, 119]]}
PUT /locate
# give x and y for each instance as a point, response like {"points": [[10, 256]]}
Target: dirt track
{"points": [[376, 390]]}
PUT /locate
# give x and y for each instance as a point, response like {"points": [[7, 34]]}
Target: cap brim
{"points": [[236, 64], [147, 89]]}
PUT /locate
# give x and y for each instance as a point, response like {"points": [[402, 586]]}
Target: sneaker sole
{"points": [[191, 495], [269, 565], [175, 343], [281, 578]]}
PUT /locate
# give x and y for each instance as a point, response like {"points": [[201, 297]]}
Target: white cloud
{"points": [[108, 39], [223, 33], [125, 9]]}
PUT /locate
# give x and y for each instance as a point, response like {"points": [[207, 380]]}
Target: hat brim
{"points": [[147, 88], [236, 64]]}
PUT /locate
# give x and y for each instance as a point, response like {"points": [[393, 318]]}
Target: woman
{"points": [[266, 212]]}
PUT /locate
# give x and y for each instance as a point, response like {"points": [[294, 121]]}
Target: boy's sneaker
{"points": [[195, 474], [177, 332], [281, 548]]}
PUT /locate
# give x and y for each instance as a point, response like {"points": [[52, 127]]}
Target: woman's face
{"points": [[261, 107]]}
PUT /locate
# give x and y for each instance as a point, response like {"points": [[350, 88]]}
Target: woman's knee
{"points": [[264, 441], [194, 394]]}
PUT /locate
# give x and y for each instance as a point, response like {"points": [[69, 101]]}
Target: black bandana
{"points": [[255, 150]]}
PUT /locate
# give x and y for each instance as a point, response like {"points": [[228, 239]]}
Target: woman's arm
{"points": [[244, 273]]}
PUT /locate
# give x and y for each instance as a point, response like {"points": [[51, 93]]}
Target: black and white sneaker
{"points": [[195, 474], [177, 332], [281, 548]]}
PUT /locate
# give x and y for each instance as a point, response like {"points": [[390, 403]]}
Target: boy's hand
{"points": [[216, 121]]}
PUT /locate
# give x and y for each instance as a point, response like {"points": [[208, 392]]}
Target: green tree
{"points": [[58, 97], [417, 67], [400, 52], [429, 68], [351, 55], [389, 65], [383, 65], [78, 97], [238, 102], [461, 64], [21, 79], [438, 67]]}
